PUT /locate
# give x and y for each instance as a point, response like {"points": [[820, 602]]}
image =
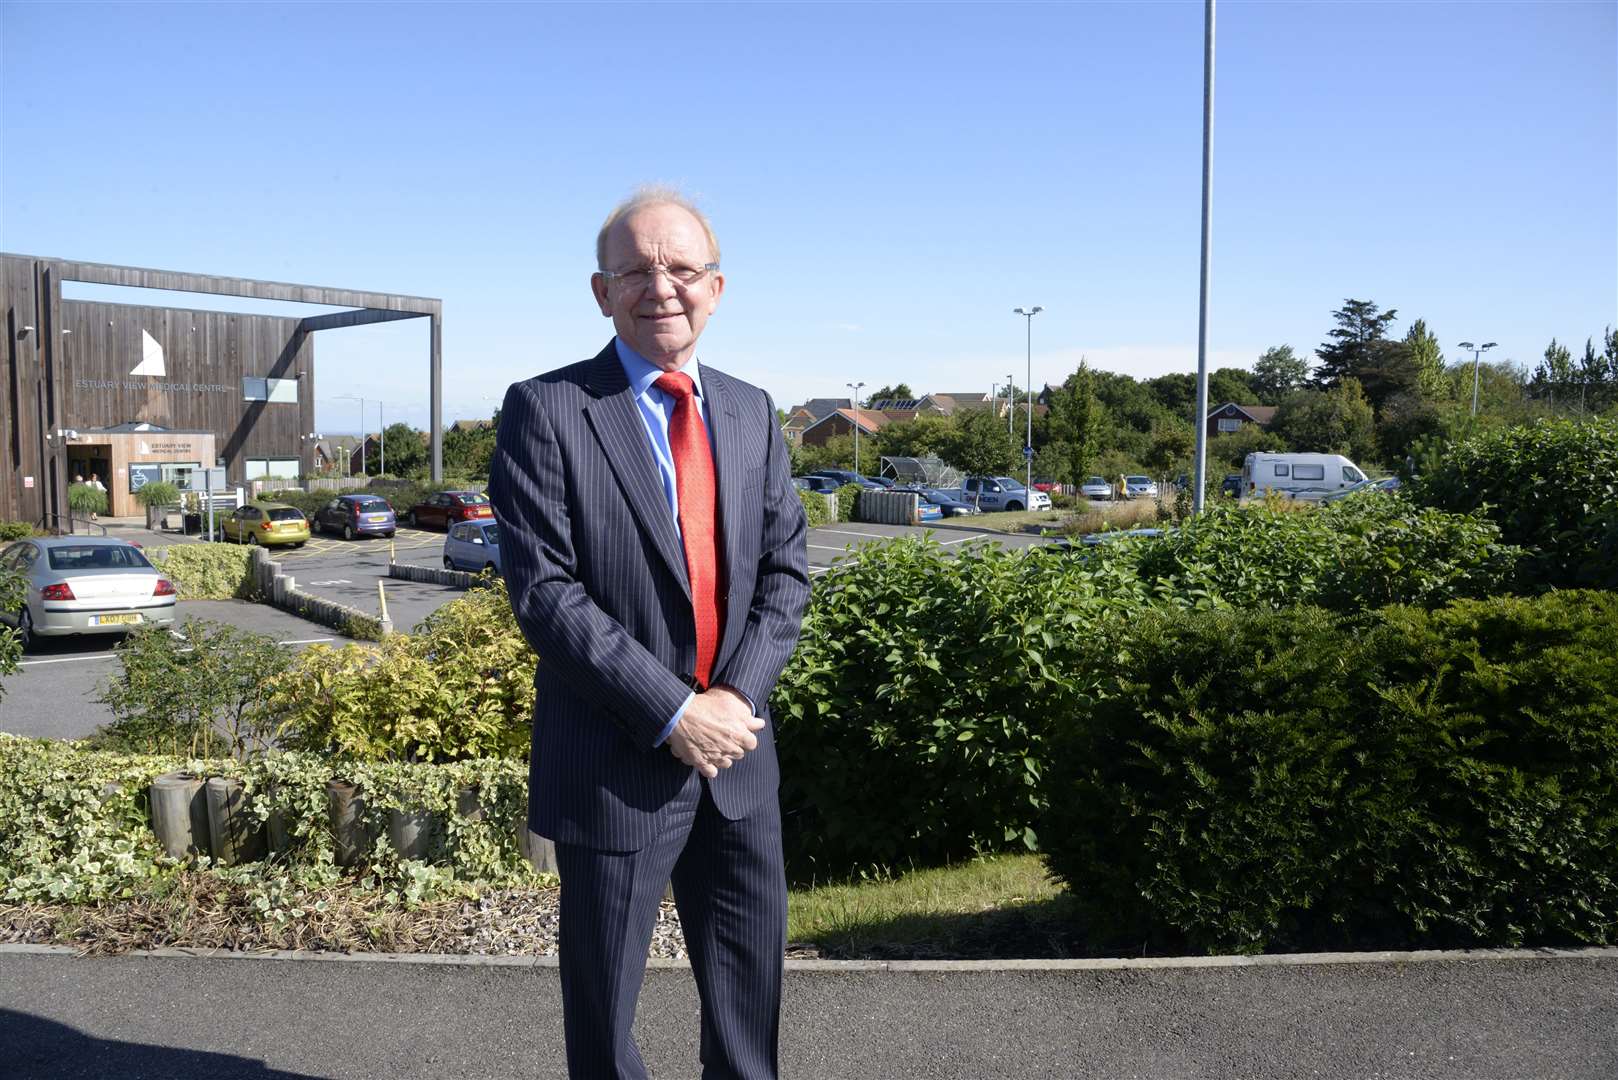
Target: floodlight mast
{"points": [[1028, 393], [1477, 363], [1200, 465]]}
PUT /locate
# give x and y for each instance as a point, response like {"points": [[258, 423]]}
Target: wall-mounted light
{"points": [[66, 332]]}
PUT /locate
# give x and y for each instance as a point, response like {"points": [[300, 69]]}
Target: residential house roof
{"points": [[1262, 415]]}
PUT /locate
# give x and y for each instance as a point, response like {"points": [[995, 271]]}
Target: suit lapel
{"points": [[730, 469], [615, 419]]}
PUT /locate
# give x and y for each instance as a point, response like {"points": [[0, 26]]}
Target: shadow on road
{"points": [[33, 1048]]}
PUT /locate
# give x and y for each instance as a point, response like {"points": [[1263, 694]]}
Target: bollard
{"points": [[346, 812], [180, 814], [236, 836]]}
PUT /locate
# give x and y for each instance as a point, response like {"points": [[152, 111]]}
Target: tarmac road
{"points": [[52, 695], [1449, 1018]]}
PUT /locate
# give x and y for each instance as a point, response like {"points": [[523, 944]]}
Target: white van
{"points": [[1298, 476]]}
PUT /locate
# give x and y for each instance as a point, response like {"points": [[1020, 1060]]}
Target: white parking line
{"points": [[67, 660], [826, 547], [114, 656], [848, 532]]}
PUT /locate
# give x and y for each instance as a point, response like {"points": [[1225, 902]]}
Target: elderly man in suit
{"points": [[654, 551]]}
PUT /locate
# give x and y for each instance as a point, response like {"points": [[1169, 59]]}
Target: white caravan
{"points": [[1298, 476]]}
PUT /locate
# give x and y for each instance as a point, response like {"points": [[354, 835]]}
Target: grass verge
{"points": [[1003, 906]]}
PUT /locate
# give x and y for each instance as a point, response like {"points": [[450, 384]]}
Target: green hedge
{"points": [[16, 530], [1299, 780], [207, 571], [1364, 551], [75, 824], [848, 497], [910, 721], [814, 508], [1552, 487]]}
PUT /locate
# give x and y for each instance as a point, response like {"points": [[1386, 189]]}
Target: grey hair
{"points": [[652, 195]]}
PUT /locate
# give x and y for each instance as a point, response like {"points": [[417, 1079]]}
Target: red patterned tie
{"points": [[694, 484]]}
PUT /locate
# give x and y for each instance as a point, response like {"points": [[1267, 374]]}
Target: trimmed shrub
{"points": [[196, 691], [459, 686], [1551, 487], [307, 501], [910, 721], [1295, 779], [848, 496], [16, 530], [814, 508], [1365, 551], [207, 571]]}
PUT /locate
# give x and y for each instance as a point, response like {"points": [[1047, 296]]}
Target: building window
{"points": [[280, 391], [1229, 425], [272, 469]]}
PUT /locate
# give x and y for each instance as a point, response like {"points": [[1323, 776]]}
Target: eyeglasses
{"points": [[681, 277]]}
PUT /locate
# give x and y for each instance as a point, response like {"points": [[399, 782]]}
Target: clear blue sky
{"points": [[888, 180]]}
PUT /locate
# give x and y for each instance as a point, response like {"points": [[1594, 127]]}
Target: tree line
{"points": [[1385, 401]]}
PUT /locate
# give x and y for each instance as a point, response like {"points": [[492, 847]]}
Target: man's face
{"points": [[663, 320]]}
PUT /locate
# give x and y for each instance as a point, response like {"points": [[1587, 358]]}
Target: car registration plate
{"points": [[114, 620], [374, 517]]}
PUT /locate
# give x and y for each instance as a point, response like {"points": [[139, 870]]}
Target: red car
{"points": [[444, 508]]}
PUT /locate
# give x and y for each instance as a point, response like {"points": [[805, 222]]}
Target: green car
{"points": [[266, 523]]}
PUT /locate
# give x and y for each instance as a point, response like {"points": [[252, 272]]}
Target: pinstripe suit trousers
{"points": [[730, 888]]}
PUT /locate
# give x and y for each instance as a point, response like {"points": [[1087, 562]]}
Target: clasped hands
{"points": [[715, 731]]}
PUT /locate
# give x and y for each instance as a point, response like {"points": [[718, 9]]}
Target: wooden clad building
{"points": [[121, 389]]}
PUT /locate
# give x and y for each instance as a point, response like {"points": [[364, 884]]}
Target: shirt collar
{"points": [[642, 373]]}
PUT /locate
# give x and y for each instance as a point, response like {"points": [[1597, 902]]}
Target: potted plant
{"points": [[86, 501], [157, 498]]}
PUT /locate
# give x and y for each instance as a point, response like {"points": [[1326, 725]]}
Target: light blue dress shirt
{"points": [[656, 410]]}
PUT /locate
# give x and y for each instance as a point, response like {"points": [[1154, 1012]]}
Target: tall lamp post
{"points": [[1028, 392], [1477, 362], [854, 406], [1199, 466], [1011, 403]]}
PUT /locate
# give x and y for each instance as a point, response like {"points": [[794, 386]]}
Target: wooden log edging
{"points": [[280, 589], [432, 575], [196, 816]]}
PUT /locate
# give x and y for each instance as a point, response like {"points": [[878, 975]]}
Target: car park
{"points": [[269, 524], [85, 585], [356, 515], [444, 508], [1096, 487], [1140, 487], [473, 545]]}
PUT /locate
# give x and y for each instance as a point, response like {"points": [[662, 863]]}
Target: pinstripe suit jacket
{"points": [[597, 577]]}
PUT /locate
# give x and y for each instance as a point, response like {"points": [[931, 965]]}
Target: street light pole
{"points": [[1477, 362], [1028, 392], [854, 405], [1199, 471], [1011, 404], [382, 436]]}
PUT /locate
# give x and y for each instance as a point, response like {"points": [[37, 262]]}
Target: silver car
{"points": [[85, 585], [1096, 487], [473, 545]]}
